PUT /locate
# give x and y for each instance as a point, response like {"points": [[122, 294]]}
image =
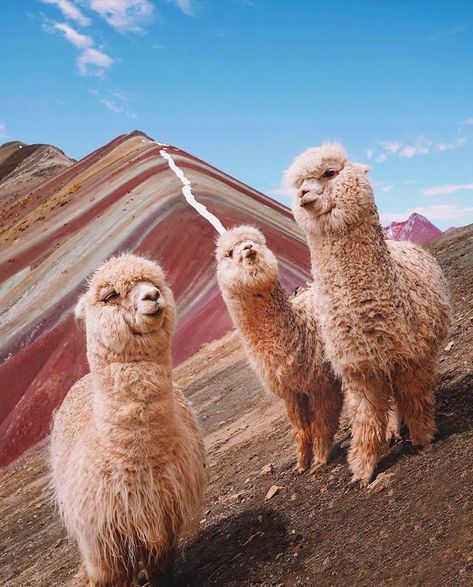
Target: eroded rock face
{"points": [[124, 196]]}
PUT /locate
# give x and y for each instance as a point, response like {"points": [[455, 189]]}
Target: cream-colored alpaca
{"points": [[128, 462], [382, 305], [281, 340]]}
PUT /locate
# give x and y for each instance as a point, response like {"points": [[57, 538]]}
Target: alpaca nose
{"points": [[304, 192], [151, 294]]}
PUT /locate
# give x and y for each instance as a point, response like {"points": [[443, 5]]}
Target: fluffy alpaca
{"points": [[281, 340], [128, 462], [382, 305]]}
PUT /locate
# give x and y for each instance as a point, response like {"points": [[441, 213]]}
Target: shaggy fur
{"points": [[382, 305], [128, 462], [281, 340]]}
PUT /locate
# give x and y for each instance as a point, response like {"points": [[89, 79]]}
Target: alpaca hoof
{"points": [[300, 469], [356, 482], [314, 470], [426, 449]]}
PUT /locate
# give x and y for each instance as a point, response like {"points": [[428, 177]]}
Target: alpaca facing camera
{"points": [[127, 457]]}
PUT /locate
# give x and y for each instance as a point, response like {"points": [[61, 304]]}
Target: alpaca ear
{"points": [[80, 308], [365, 168]]}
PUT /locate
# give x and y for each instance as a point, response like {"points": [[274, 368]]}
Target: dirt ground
{"points": [[415, 530]]}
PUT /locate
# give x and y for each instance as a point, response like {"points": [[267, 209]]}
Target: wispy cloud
{"points": [[468, 122], [280, 193], [442, 34], [77, 39], [439, 212], [93, 62], [123, 15], [449, 188], [184, 5], [421, 146], [70, 11], [383, 186], [3, 130], [115, 101]]}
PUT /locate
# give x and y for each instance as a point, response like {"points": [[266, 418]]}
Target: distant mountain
{"points": [[22, 169], [416, 229]]}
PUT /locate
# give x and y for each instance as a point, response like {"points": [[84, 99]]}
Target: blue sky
{"points": [[248, 84]]}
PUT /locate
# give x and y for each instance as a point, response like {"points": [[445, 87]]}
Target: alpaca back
{"points": [[425, 299]]}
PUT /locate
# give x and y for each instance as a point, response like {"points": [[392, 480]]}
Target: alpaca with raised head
{"points": [[382, 305], [127, 457], [281, 340]]}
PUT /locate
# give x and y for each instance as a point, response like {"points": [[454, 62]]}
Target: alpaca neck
{"points": [[132, 402], [261, 315], [359, 260]]}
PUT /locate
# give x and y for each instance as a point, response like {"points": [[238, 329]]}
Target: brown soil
{"points": [[416, 530]]}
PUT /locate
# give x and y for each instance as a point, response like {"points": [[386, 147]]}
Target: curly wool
{"points": [[127, 457], [383, 306], [281, 339]]}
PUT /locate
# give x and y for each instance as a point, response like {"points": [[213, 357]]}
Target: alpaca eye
{"points": [[329, 173], [229, 254], [110, 296]]}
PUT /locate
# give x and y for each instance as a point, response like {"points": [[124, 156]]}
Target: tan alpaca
{"points": [[281, 340], [127, 456], [382, 305]]}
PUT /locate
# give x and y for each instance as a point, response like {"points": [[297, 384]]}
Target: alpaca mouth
{"points": [[249, 254], [154, 314]]}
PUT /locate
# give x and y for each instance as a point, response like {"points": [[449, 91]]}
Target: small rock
{"points": [[260, 518], [237, 497], [293, 497], [203, 520], [382, 481], [272, 491], [449, 346], [267, 469], [247, 480]]}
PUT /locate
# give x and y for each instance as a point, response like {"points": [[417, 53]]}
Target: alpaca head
{"points": [[244, 262], [331, 194], [128, 309]]}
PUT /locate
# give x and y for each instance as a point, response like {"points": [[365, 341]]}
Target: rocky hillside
{"points": [[412, 528]]}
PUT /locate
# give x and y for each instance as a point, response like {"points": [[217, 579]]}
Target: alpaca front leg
{"points": [[104, 568], [327, 405], [159, 568], [369, 400], [297, 407], [413, 388], [393, 427]]}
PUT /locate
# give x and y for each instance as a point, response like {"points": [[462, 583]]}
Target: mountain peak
{"points": [[417, 229]]}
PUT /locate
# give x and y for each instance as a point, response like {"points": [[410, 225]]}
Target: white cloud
{"points": [[3, 130], [70, 11], [468, 122], [280, 192], [381, 158], [439, 212], [93, 62], [77, 39], [383, 186], [115, 101], [449, 188], [369, 154], [123, 15], [391, 146], [184, 5], [408, 151]]}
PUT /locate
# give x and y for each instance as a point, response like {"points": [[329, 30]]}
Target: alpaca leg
{"points": [[414, 392], [298, 413], [369, 400], [159, 568], [104, 569], [325, 423], [393, 428]]}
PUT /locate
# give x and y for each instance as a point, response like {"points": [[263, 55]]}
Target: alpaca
{"points": [[382, 305], [281, 340], [127, 457]]}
